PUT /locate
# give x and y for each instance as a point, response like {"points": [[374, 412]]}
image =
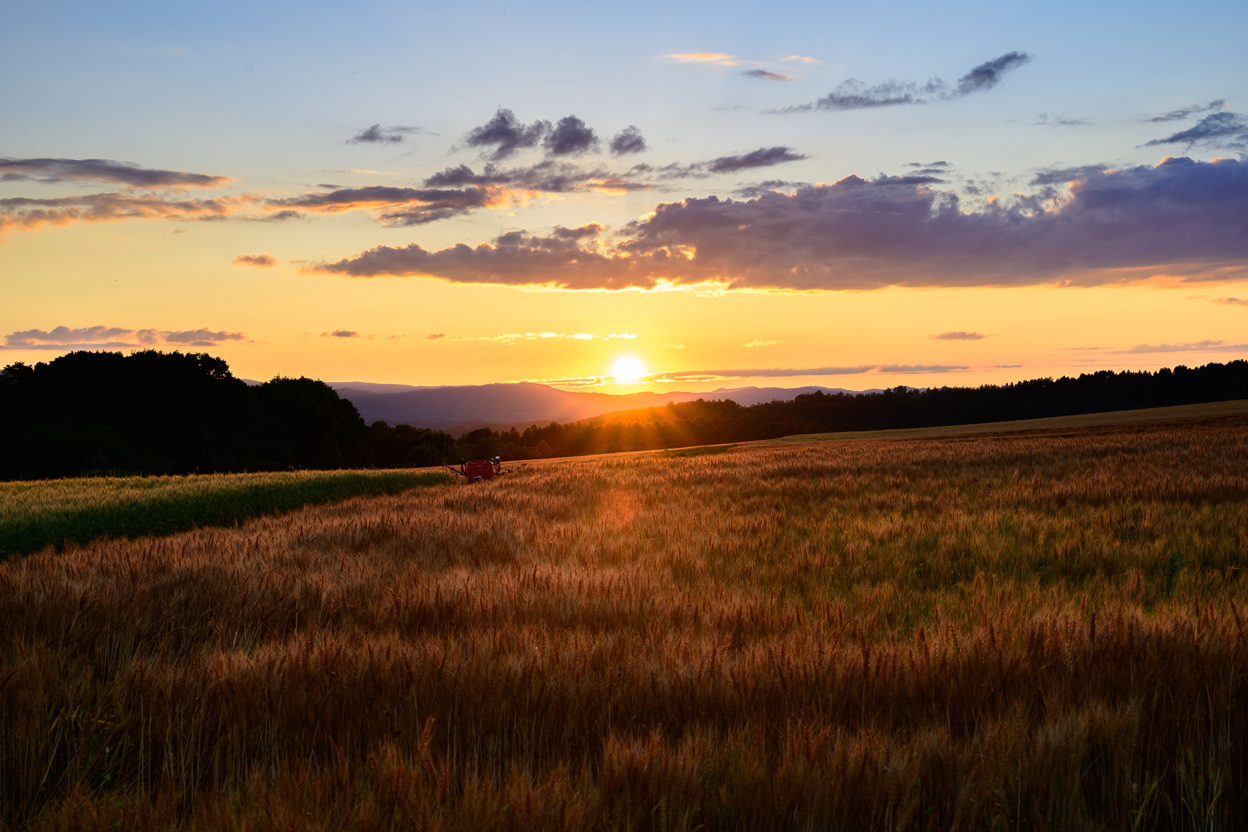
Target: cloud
{"points": [[570, 136], [1043, 119], [435, 336], [853, 94], [382, 135], [767, 75], [804, 59], [104, 170], [341, 333], [263, 261], [761, 158], [721, 58], [958, 336], [988, 74], [1187, 112], [1191, 346], [1232, 301], [63, 338], [1217, 130], [24, 213], [507, 134], [628, 140], [922, 368], [1063, 176], [771, 342], [1179, 218], [402, 206], [769, 372]]}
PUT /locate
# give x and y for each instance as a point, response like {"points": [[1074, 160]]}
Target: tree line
{"points": [[173, 413]]}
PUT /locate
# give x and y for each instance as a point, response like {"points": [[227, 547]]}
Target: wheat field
{"points": [[1032, 630]]}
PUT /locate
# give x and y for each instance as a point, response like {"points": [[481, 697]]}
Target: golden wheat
{"points": [[1039, 630]]}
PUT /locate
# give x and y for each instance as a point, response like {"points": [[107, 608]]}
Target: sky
{"points": [[653, 196]]}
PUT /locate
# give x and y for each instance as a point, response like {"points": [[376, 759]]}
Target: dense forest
{"points": [[173, 413]]}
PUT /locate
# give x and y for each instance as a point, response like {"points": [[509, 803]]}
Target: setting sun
{"points": [[628, 369]]}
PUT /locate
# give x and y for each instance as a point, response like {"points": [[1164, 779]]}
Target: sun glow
{"points": [[628, 369]]}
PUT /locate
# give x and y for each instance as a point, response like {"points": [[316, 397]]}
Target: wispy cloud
{"points": [[1191, 346], [382, 135], [721, 58], [767, 75], [766, 342], [761, 158], [853, 94], [1218, 130], [958, 336], [1187, 112], [106, 171], [1232, 301], [341, 333]]}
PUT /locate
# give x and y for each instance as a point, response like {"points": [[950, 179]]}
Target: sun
{"points": [[628, 369]]}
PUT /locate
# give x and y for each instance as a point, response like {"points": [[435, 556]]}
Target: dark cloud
{"points": [[260, 260], [1180, 218], [550, 176], [341, 333], [761, 158], [104, 170], [853, 94], [507, 134], [406, 206], [382, 135], [1187, 112], [1217, 130], [932, 165], [958, 336], [1232, 301], [628, 140], [570, 136], [988, 74], [907, 180], [64, 338], [767, 75]]}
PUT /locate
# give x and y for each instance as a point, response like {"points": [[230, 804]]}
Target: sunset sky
{"points": [[850, 195]]}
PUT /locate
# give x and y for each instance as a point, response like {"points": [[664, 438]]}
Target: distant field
{"points": [[1044, 629], [39, 513], [1207, 410]]}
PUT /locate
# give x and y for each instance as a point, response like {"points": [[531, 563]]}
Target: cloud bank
{"points": [[1179, 218], [104, 170]]}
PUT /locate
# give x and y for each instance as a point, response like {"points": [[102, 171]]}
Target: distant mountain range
{"points": [[460, 408]]}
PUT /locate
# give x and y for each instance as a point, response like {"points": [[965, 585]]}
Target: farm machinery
{"points": [[479, 469]]}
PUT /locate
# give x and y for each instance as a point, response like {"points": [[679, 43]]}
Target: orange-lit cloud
{"points": [[721, 58], [24, 213], [958, 336]]}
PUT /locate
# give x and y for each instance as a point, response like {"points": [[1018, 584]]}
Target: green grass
{"points": [[41, 513]]}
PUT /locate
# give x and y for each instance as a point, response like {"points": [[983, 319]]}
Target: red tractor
{"points": [[478, 469]]}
